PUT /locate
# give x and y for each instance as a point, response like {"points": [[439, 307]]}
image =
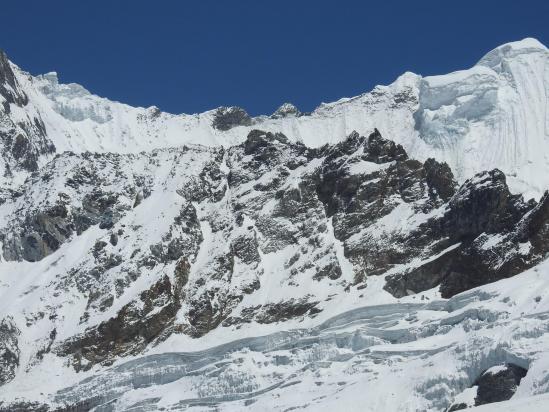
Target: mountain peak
{"points": [[528, 45], [285, 110]]}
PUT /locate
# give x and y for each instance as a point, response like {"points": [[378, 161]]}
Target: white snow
{"points": [[495, 114], [467, 396], [532, 404], [494, 370]]}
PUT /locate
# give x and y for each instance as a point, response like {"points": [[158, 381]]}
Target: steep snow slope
{"points": [[492, 115], [495, 114]]}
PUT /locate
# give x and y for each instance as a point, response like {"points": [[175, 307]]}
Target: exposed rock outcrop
{"points": [[22, 141], [226, 118], [286, 110], [9, 88], [498, 384], [493, 236], [135, 326], [9, 350]]}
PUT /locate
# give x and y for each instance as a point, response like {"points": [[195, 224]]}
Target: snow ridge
{"points": [[494, 114]]}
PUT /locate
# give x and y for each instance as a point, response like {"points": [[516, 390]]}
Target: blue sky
{"points": [[190, 56]]}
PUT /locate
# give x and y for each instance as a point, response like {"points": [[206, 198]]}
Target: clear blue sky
{"points": [[190, 56]]}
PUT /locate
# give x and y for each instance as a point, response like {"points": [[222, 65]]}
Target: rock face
{"points": [[24, 141], [286, 110], [9, 350], [9, 89], [226, 118], [439, 179], [134, 327], [486, 224], [498, 384], [483, 204], [133, 250]]}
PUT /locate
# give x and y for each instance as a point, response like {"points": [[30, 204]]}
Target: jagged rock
{"points": [[483, 204], [331, 271], [274, 312], [286, 110], [209, 183], [98, 207], [9, 350], [380, 150], [226, 118], [209, 310], [42, 234], [338, 188], [423, 278], [22, 142], [279, 312], [9, 89], [20, 147], [535, 226], [440, 179], [181, 275], [261, 143], [135, 326], [481, 209], [245, 247], [498, 384]]}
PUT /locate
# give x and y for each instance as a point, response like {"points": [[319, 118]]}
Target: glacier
{"points": [[408, 356]]}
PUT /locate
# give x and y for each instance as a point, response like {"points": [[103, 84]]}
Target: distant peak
{"points": [[526, 43], [285, 110]]}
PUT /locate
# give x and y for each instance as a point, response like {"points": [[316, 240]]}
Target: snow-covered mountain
{"points": [[495, 114], [375, 254]]}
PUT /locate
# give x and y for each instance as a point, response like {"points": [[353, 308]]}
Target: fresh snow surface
{"points": [[495, 114]]}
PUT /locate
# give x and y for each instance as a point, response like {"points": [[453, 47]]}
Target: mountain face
{"points": [[380, 253], [493, 115]]}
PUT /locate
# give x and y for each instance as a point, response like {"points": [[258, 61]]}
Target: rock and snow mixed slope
{"points": [[120, 265], [159, 262], [495, 114], [414, 355]]}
